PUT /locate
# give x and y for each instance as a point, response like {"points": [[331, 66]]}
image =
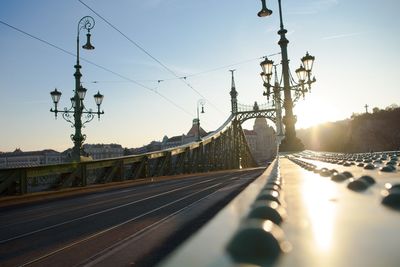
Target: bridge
{"points": [[305, 209], [103, 203], [223, 149], [206, 203]]}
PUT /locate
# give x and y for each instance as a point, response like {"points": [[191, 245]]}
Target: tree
{"points": [[392, 106], [375, 110]]}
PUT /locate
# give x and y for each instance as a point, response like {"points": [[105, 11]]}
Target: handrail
{"points": [[128, 159]]}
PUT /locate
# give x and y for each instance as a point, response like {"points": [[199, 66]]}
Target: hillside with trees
{"points": [[376, 131]]}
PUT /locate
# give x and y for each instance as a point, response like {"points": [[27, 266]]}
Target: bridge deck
{"points": [[327, 224], [118, 226]]}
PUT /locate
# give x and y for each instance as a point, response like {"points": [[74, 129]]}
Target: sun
{"points": [[313, 111]]}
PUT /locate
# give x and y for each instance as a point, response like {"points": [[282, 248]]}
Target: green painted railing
{"points": [[226, 148]]}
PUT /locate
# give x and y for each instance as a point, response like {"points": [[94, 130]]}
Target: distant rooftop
{"points": [[19, 152]]}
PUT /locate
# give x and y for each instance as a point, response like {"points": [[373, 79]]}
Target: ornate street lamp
{"points": [[78, 110], [300, 88], [200, 102]]}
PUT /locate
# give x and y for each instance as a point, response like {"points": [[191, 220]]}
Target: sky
{"points": [[355, 44]]}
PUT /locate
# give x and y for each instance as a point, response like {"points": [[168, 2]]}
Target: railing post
{"points": [[200, 158], [208, 155], [192, 160], [175, 168], [121, 170], [164, 169], [227, 140], [146, 170], [142, 169], [23, 182], [181, 167], [83, 174], [219, 152], [195, 159], [153, 168], [238, 135]]}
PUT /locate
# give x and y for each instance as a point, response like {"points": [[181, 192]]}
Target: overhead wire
{"points": [[127, 79], [199, 73], [99, 66], [219, 68], [37, 38], [151, 56]]}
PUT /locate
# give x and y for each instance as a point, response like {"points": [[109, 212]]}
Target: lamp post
{"points": [[78, 110], [290, 141], [199, 102]]}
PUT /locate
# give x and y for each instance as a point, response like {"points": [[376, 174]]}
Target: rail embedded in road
{"points": [[116, 226]]}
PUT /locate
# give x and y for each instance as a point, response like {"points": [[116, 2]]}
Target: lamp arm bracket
{"points": [[89, 117], [61, 111], [86, 23], [86, 111], [67, 117]]}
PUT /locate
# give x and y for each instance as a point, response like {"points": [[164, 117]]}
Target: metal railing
{"points": [[225, 148], [255, 107]]}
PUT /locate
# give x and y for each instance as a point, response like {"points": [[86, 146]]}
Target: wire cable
{"points": [[150, 55], [99, 66], [37, 38], [197, 73]]}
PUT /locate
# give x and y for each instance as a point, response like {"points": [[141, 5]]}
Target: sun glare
{"points": [[313, 112], [317, 196]]}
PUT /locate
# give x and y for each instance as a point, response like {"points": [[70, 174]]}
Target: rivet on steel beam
{"points": [[269, 195], [392, 196], [258, 242], [368, 179], [339, 177], [358, 185], [388, 168], [268, 210], [369, 166]]}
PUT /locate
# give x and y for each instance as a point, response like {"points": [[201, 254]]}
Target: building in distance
{"points": [[174, 141], [261, 140], [18, 158], [103, 151]]}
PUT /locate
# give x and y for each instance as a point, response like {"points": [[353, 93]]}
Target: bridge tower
{"points": [[240, 114], [235, 160], [234, 95]]}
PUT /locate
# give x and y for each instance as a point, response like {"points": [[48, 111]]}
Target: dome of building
{"points": [[193, 130], [260, 123]]}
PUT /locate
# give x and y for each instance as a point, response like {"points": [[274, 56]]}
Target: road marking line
{"points": [[99, 212], [94, 259], [114, 227]]}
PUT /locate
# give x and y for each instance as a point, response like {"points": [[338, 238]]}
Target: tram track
{"points": [[48, 211], [95, 214], [85, 240], [105, 231]]}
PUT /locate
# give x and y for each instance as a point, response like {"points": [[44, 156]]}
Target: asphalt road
{"points": [[136, 225]]}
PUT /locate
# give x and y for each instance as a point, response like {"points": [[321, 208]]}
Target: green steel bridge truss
{"points": [[225, 148]]}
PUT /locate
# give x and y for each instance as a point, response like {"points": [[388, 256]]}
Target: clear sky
{"points": [[355, 44]]}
